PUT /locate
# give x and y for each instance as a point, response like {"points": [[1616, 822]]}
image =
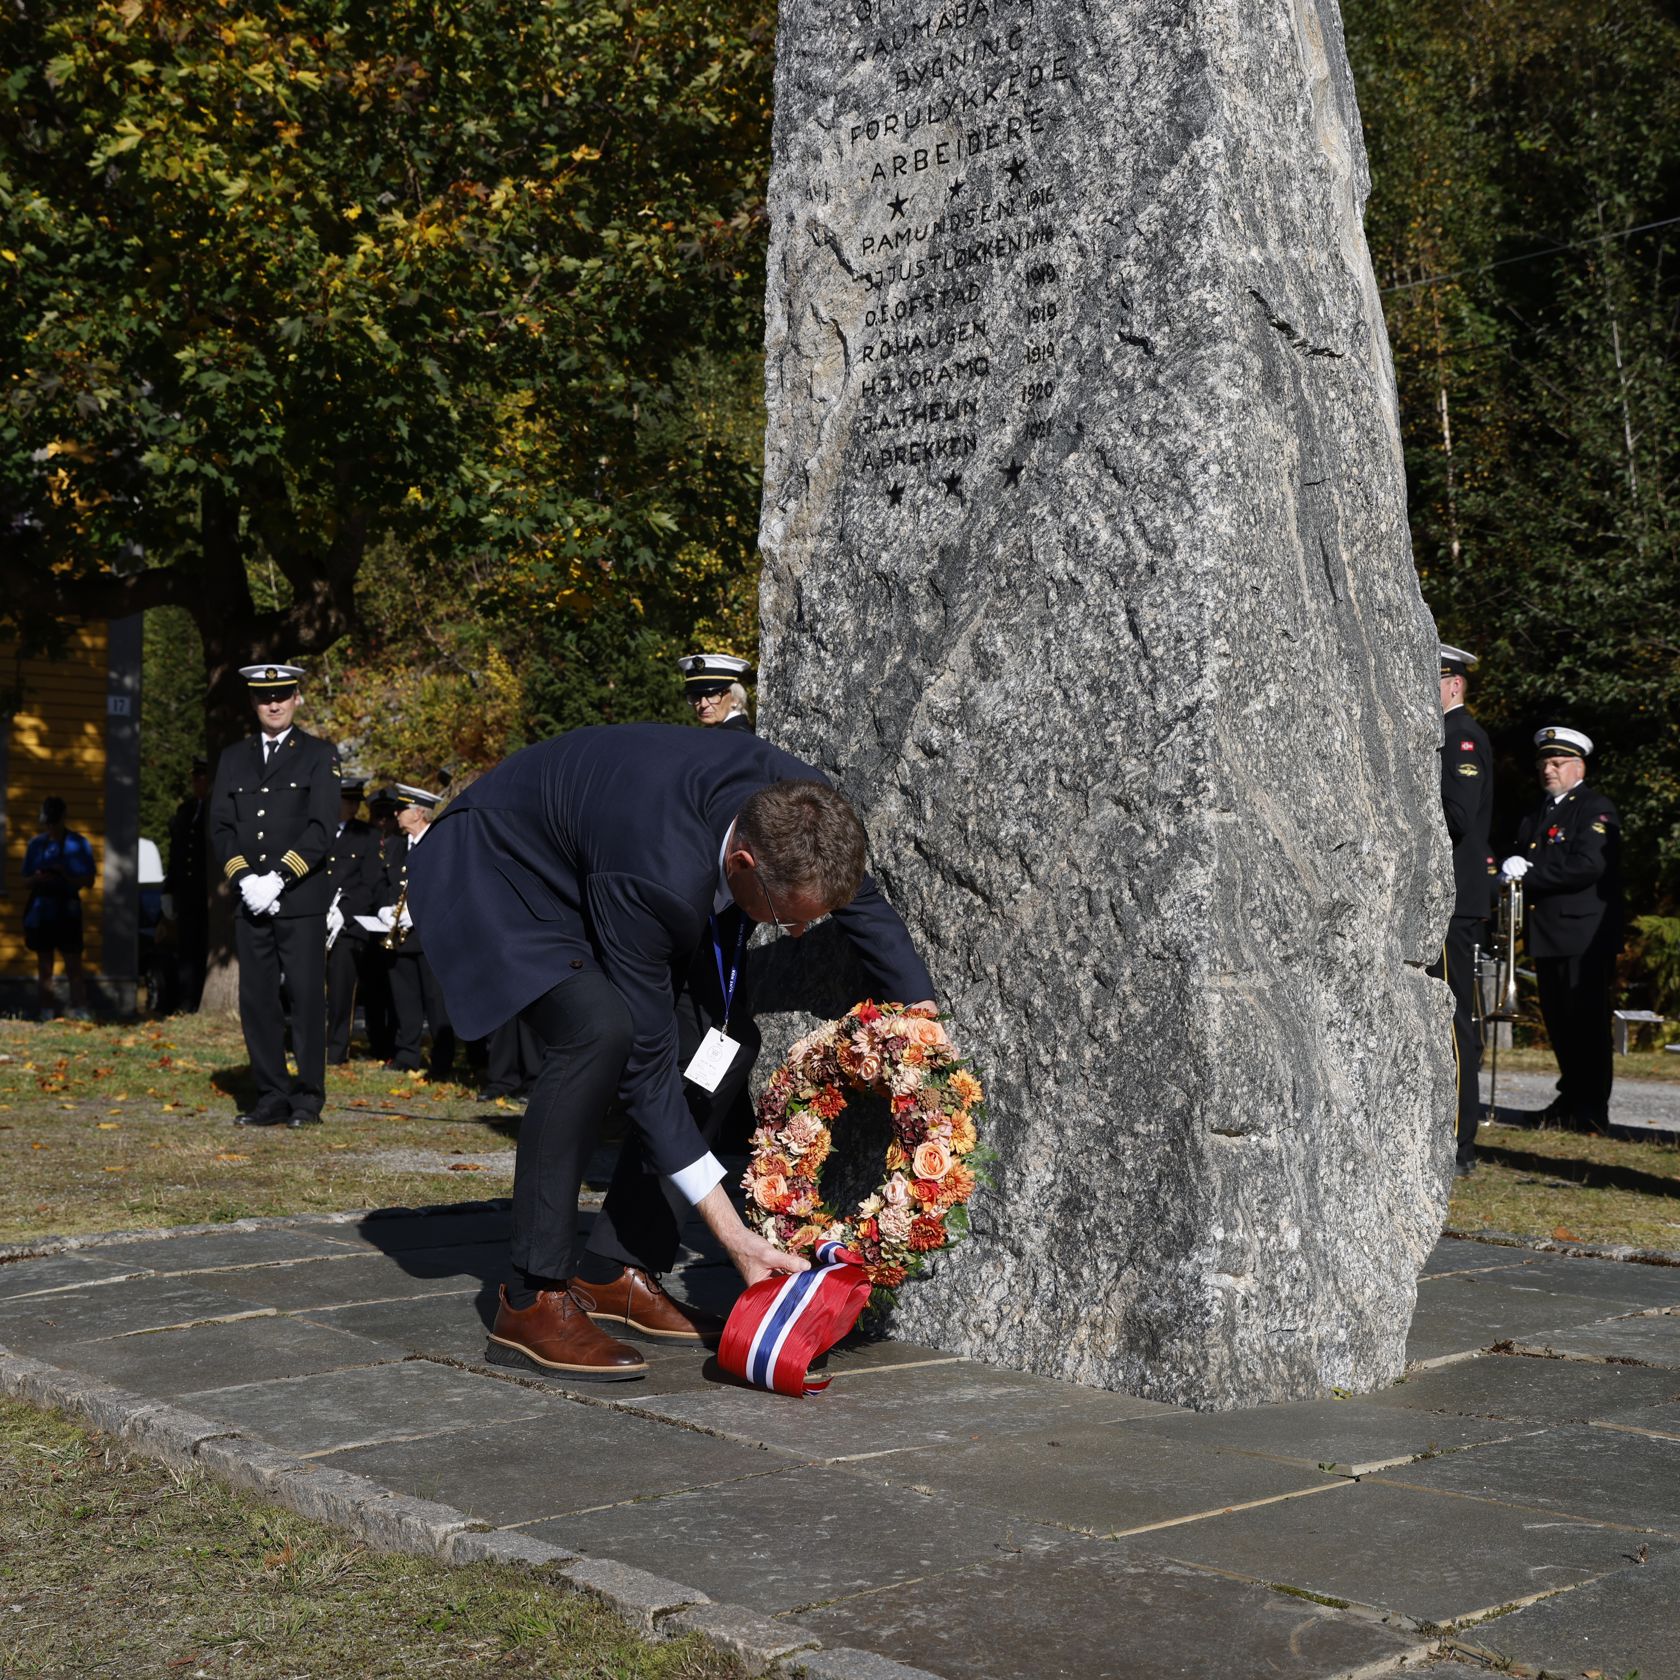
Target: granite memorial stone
{"points": [[1087, 575]]}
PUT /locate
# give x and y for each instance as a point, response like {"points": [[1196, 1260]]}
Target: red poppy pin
{"points": [[1466, 746]]}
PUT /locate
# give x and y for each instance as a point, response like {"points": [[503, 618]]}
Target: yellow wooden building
{"points": [[72, 728]]}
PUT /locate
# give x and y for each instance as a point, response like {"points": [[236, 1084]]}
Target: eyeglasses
{"points": [[780, 926]]}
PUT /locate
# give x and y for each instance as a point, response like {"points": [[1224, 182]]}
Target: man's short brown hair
{"points": [[805, 839]]}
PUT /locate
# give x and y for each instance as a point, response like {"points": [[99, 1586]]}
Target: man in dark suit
{"points": [[1568, 858], [416, 998], [715, 685], [355, 868], [187, 881], [575, 884], [1467, 802], [273, 810]]}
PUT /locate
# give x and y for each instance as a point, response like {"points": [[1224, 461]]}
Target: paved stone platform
{"points": [[1514, 1501], [1639, 1108]]}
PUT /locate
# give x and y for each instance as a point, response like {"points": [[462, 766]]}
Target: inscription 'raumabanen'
{"points": [[953, 227]]}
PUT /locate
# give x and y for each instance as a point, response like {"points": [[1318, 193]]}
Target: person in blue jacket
{"points": [[56, 866], [573, 886]]}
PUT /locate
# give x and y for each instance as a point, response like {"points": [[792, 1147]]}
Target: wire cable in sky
{"points": [[1531, 256]]}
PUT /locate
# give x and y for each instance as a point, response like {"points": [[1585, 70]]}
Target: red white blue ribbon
{"points": [[782, 1323]]}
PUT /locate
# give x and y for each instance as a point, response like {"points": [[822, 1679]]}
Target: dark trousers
{"points": [[296, 946], [191, 957], [585, 1031], [343, 971], [417, 1000], [1458, 968], [376, 1000], [512, 1057], [1575, 1002], [637, 1225]]}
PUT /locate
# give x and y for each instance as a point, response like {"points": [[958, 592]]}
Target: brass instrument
{"points": [[398, 933], [330, 908]]}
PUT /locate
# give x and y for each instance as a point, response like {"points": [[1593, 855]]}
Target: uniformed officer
{"points": [[714, 684], [186, 880], [356, 870], [1568, 858], [1467, 801], [273, 810], [416, 996]]}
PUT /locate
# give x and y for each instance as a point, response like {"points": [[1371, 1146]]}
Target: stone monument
{"points": [[1087, 576]]}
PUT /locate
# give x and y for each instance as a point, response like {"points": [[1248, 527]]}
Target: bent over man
{"points": [[574, 885], [273, 815], [1568, 858]]}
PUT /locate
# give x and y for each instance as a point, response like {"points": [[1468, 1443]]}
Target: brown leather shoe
{"points": [[636, 1300], [555, 1338]]}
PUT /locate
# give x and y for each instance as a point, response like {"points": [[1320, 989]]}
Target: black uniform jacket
{"points": [[356, 871], [600, 850], [1467, 800], [738, 721], [395, 856], [184, 876], [1573, 887], [281, 818]]}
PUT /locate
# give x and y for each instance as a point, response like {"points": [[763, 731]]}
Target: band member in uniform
{"points": [[186, 880], [714, 684], [273, 810], [357, 874], [57, 864], [575, 884], [1467, 801], [1568, 858], [416, 997]]}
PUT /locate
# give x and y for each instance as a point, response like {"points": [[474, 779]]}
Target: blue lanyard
{"points": [[727, 985]]}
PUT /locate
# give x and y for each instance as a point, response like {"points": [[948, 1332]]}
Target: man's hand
{"points": [[250, 892], [926, 1007], [268, 888], [387, 915], [752, 1256], [1514, 868], [335, 921], [405, 920]]}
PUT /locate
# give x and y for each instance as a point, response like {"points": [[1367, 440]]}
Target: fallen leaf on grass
{"points": [[110, 1125], [116, 1169], [357, 1102], [1564, 1234], [182, 1662], [279, 1559], [228, 1155], [40, 1146], [465, 1166]]}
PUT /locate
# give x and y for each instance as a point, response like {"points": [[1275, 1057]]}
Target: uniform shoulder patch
{"points": [[1600, 825], [1466, 746], [1469, 770]]}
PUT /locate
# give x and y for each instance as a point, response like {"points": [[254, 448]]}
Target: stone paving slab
{"points": [[1455, 1254], [1522, 1390], [447, 1325], [396, 1233], [569, 1457], [1105, 1480], [58, 1271], [345, 1408], [170, 1363], [1353, 1437], [1622, 1624], [1653, 1420], [953, 1402], [1651, 1340], [1604, 1475], [1618, 1282], [1430, 1556], [114, 1309], [355, 1279], [803, 1536], [1084, 1611], [1467, 1314], [226, 1248]]}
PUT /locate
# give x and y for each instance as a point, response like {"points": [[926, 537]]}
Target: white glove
{"points": [[1513, 868], [405, 920], [335, 921], [262, 894], [387, 914]]}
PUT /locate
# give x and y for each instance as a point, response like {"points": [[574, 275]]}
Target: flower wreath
{"points": [[919, 1208]]}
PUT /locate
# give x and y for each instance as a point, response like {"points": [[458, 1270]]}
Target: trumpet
{"points": [[1507, 926], [398, 933], [330, 908]]}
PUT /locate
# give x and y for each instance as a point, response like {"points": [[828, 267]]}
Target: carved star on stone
{"points": [[896, 494], [1012, 473], [896, 205], [1015, 169], [956, 187], [953, 484]]}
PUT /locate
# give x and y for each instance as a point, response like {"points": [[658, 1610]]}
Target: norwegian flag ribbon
{"points": [[782, 1323]]}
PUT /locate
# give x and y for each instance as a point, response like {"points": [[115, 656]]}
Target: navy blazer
{"points": [[599, 850]]}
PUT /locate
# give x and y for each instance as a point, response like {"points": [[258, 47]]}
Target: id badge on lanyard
{"points": [[718, 1050]]}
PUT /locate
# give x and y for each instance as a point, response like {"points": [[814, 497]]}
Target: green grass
{"points": [[110, 1127], [114, 1566]]}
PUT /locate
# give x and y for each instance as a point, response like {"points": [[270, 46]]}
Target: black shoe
{"points": [[396, 1066], [302, 1117], [491, 1092], [1464, 1166], [261, 1117]]}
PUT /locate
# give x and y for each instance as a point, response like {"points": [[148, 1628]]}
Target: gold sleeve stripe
{"points": [[233, 866], [296, 864]]}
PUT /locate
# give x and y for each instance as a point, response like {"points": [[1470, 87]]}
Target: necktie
{"points": [[268, 752]]}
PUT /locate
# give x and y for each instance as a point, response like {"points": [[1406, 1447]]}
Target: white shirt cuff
{"points": [[698, 1177]]}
